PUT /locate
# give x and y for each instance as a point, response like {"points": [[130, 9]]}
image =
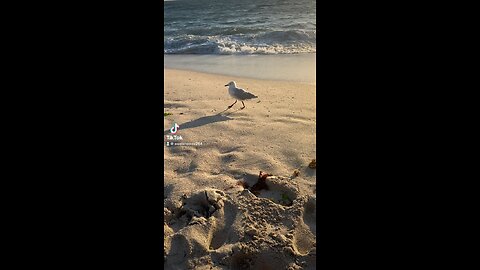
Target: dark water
{"points": [[239, 26]]}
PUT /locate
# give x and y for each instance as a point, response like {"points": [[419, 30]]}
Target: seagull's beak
{"points": [[226, 84]]}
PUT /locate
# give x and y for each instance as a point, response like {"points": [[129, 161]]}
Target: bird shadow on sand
{"points": [[219, 117]]}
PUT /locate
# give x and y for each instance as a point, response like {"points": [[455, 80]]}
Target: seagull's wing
{"points": [[242, 94]]}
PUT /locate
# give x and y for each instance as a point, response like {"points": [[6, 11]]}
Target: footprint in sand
{"points": [[310, 214], [179, 249], [205, 220], [225, 218], [304, 236]]}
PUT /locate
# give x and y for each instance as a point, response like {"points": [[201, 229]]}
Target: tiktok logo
{"points": [[174, 129]]}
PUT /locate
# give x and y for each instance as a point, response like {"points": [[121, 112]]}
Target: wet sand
{"points": [[284, 67]]}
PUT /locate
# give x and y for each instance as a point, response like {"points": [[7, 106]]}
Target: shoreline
{"points": [[235, 77], [299, 68]]}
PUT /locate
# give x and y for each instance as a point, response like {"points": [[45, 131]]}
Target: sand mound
{"points": [[215, 230]]}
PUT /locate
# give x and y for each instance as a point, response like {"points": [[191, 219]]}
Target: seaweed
{"points": [[261, 184]]}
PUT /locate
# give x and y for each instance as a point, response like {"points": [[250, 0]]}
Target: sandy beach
{"points": [[220, 212]]}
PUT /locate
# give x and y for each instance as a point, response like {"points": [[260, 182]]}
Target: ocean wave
{"points": [[274, 42]]}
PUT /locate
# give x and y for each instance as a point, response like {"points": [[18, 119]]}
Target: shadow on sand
{"points": [[203, 121]]}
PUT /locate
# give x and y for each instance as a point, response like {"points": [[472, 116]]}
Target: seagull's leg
{"points": [[232, 104], [243, 105]]}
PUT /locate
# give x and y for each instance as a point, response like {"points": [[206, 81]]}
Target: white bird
{"points": [[238, 93]]}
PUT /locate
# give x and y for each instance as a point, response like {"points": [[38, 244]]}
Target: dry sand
{"points": [[212, 222]]}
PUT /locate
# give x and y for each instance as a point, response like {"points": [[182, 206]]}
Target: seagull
{"points": [[238, 93]]}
